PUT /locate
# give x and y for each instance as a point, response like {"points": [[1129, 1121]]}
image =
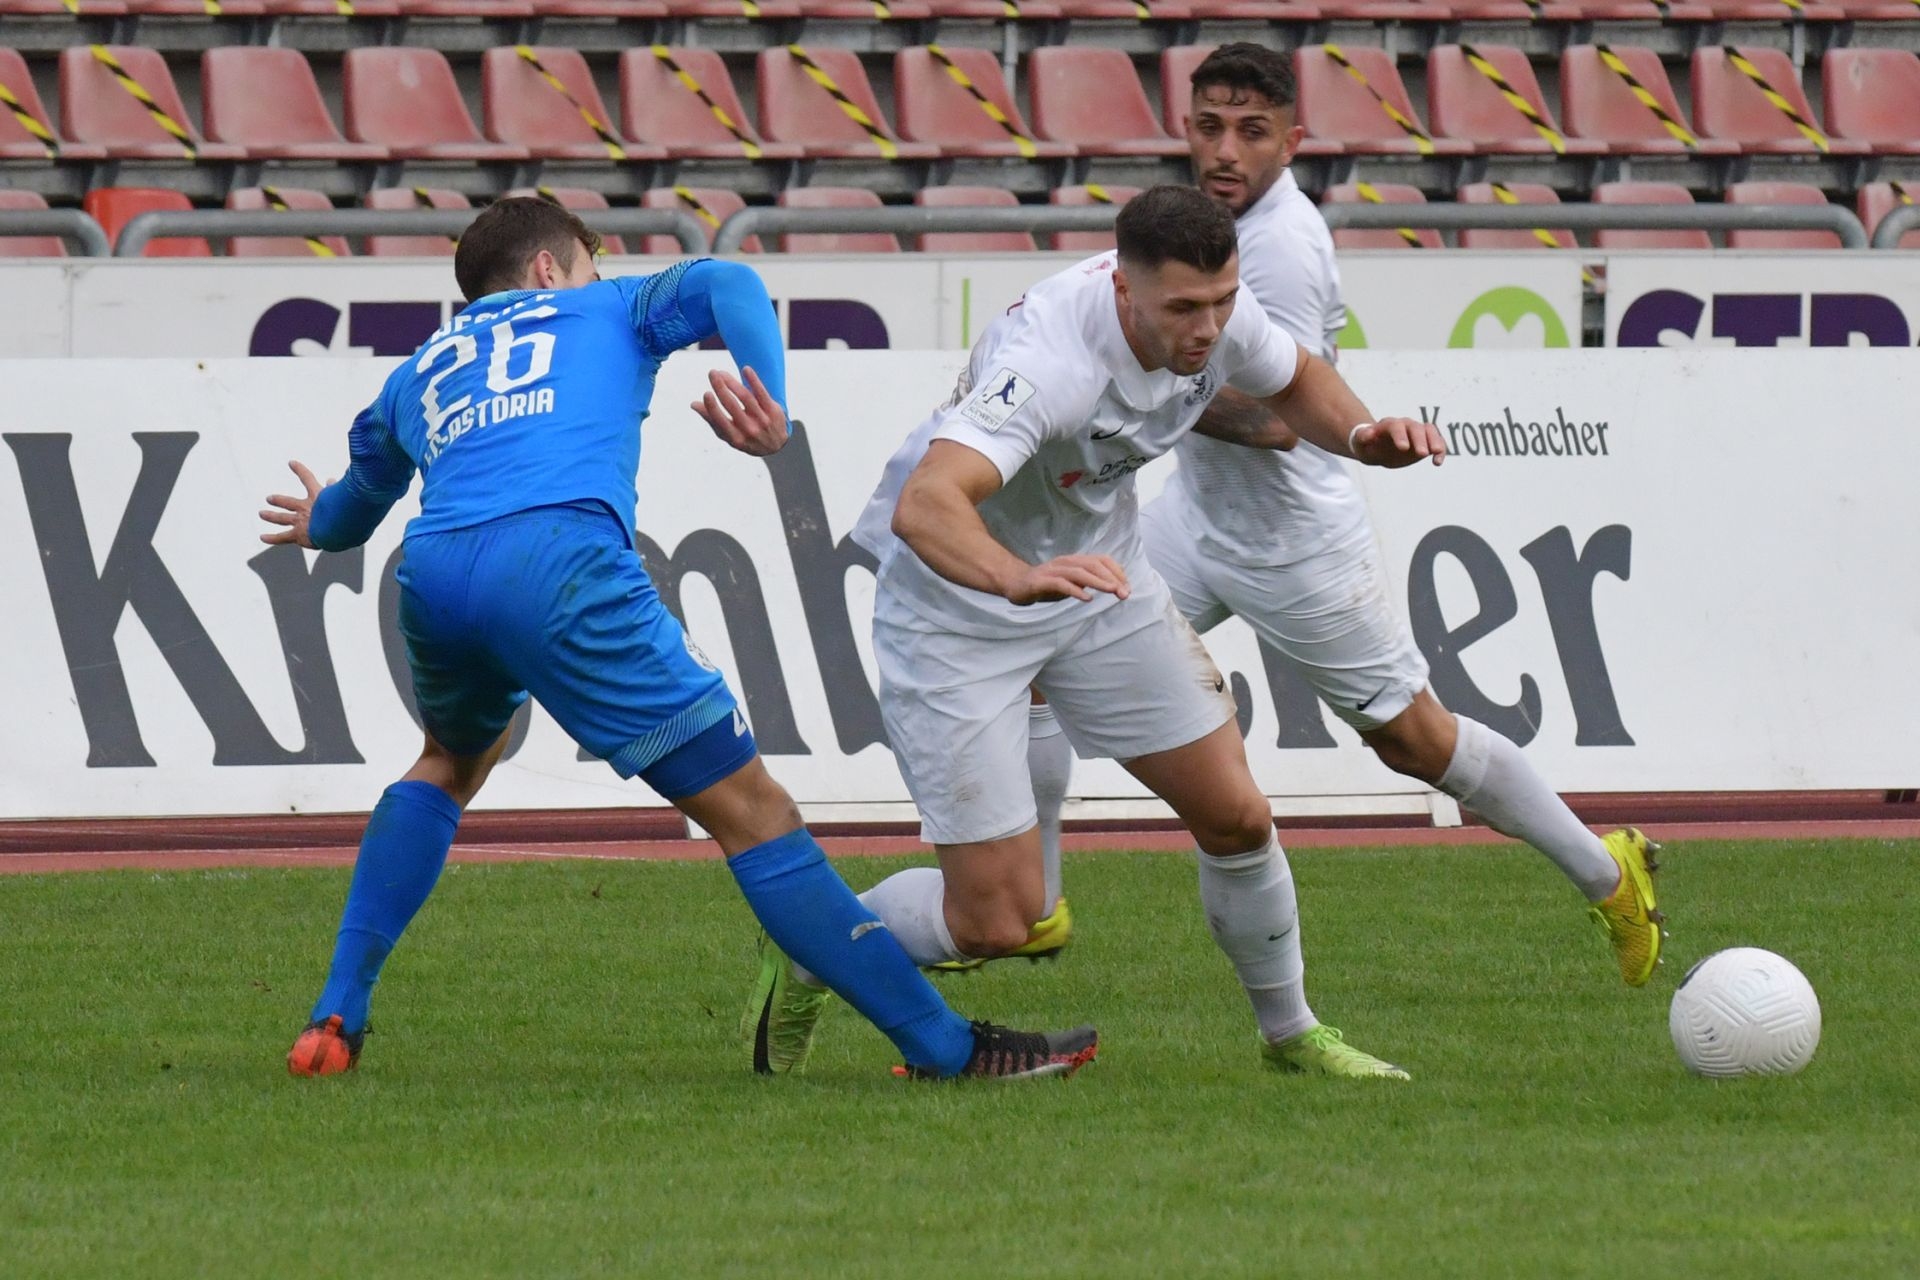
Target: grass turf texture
{"points": [[554, 1086]]}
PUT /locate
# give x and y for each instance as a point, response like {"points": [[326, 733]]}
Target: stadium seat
{"points": [[994, 10], [619, 10], [970, 241], [1343, 117], [57, 9], [1463, 102], [28, 246], [1253, 11], [1385, 237], [866, 10], [1728, 104], [17, 142], [712, 205], [794, 107], [488, 10], [1878, 199], [1598, 104], [519, 106], [755, 10], [1087, 242], [935, 108], [834, 242], [1873, 96], [1774, 11], [267, 102], [1092, 98], [658, 106], [1879, 10], [114, 207], [249, 198], [413, 198], [329, 8], [1647, 193], [1411, 12], [579, 198], [406, 100], [1521, 193], [1778, 193], [96, 107], [194, 8], [1176, 85]]}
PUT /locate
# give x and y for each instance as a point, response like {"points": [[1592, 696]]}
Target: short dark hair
{"points": [[1174, 223], [497, 246], [1244, 67]]}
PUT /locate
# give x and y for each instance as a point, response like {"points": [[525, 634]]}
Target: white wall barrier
{"points": [[1656, 570]]}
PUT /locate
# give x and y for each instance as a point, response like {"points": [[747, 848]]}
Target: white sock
{"points": [[1489, 776], [1050, 764], [1255, 919], [913, 906]]}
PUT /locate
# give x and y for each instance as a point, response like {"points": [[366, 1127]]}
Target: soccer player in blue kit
{"points": [[523, 416]]}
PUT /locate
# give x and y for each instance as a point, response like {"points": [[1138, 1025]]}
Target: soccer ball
{"points": [[1744, 1012]]}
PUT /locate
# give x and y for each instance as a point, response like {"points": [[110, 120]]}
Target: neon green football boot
{"points": [[781, 1014], [1322, 1050], [1045, 941], [1629, 916]]}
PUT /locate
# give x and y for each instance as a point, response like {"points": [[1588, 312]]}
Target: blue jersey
{"points": [[534, 398]]}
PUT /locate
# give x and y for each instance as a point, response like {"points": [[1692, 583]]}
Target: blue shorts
{"points": [[554, 602]]}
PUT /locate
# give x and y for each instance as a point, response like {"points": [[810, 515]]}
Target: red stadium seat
{"points": [[1774, 11], [1522, 193], [1878, 199], [754, 10], [995, 10], [866, 10], [194, 8], [114, 207], [1384, 238], [1463, 102], [1253, 11], [330, 8], [1647, 193], [1407, 11], [17, 142], [712, 205], [413, 198], [620, 10], [1873, 96], [935, 108], [1778, 193], [831, 242], [488, 10], [971, 241], [658, 106], [57, 9], [96, 107], [794, 107], [283, 246], [577, 198], [1728, 104], [1343, 116], [28, 246], [1092, 98], [406, 100], [1176, 85], [1599, 104], [521, 107], [1087, 242], [1878, 10], [267, 102]]}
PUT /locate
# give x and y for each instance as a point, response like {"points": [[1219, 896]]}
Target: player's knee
{"points": [[996, 925], [1240, 827], [1403, 748]]}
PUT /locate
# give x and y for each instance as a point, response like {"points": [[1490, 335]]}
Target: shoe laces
{"points": [[1001, 1051]]}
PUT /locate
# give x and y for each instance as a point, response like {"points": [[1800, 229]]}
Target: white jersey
{"points": [[1056, 399], [1256, 506]]}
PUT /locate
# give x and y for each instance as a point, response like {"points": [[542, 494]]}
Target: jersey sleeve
{"points": [[1019, 402], [1260, 356], [348, 511], [701, 298]]}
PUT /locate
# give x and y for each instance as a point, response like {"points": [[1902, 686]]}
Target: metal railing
{"points": [[1897, 223], [912, 220], [221, 223], [82, 234], [1602, 217]]}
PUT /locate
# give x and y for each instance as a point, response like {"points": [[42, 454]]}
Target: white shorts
{"points": [[1329, 614], [1132, 680]]}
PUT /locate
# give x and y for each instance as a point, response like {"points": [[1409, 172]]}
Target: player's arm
{"points": [[706, 298], [938, 516], [344, 514], [1238, 418], [1320, 406]]}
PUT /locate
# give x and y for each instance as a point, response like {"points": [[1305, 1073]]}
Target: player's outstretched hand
{"points": [[746, 416], [291, 513], [1398, 442], [1064, 576]]}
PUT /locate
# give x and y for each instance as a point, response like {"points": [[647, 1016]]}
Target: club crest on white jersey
{"points": [[997, 399]]}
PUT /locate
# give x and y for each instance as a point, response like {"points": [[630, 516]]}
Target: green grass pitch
{"points": [[554, 1086]]}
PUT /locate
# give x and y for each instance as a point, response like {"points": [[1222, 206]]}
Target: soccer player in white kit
{"points": [[1007, 529], [1282, 540]]}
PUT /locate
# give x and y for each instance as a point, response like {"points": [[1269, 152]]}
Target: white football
{"points": [[1744, 1012]]}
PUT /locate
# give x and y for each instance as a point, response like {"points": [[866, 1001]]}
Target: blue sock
{"points": [[401, 854], [811, 915]]}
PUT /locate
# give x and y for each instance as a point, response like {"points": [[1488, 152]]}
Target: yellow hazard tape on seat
{"points": [[27, 122], [1614, 63], [1778, 99], [847, 105], [315, 245], [600, 130], [748, 147], [1515, 98], [986, 104], [138, 92], [1421, 140], [1370, 194]]}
